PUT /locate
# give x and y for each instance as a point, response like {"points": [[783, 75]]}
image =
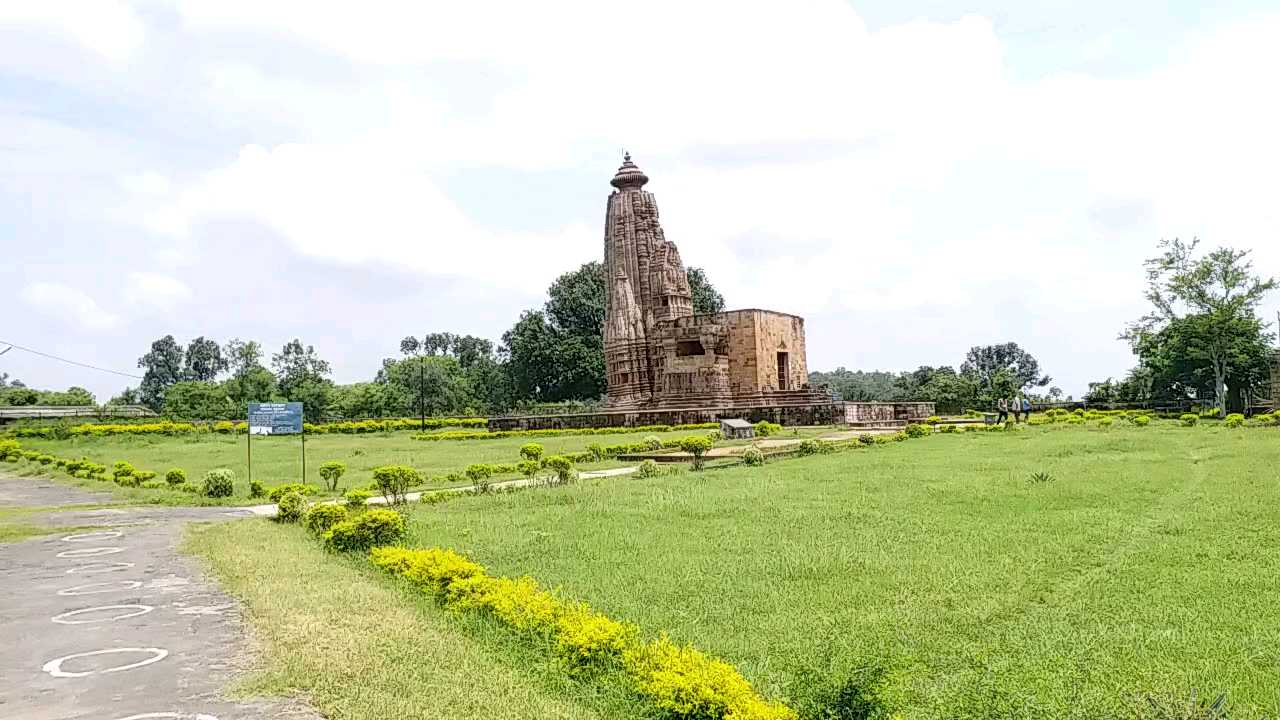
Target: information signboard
{"points": [[275, 418]]}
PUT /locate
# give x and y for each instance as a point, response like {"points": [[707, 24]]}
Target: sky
{"points": [[915, 177]]}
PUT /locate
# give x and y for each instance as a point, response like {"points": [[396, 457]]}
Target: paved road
{"points": [[114, 623]]}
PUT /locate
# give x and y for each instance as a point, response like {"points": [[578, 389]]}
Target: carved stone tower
{"points": [[646, 285]]}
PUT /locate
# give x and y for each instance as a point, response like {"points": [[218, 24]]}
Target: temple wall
{"points": [[1275, 381], [867, 412], [778, 332]]}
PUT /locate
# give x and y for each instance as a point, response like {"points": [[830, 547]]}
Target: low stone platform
{"points": [[830, 413]]}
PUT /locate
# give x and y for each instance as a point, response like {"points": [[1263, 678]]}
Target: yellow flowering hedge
{"points": [[679, 680]]}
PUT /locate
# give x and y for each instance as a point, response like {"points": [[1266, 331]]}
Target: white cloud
{"points": [[107, 27], [69, 304], [155, 291]]}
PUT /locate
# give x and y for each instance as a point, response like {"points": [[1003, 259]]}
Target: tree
{"points": [[72, 397], [1002, 370], [163, 367], [300, 375], [363, 400], [1207, 305], [203, 360], [438, 382], [249, 381], [128, 396], [706, 299], [199, 400], [858, 385]]}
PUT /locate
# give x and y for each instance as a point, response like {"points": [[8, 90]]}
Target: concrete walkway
{"points": [[114, 623]]}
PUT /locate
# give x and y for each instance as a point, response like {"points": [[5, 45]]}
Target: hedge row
{"points": [[226, 427], [499, 434], [679, 680]]}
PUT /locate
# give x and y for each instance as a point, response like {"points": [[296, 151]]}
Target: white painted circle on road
{"points": [[72, 617], [89, 552], [54, 667], [169, 716], [101, 587], [99, 567], [96, 535]]}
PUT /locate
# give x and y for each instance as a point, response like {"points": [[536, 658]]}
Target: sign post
{"points": [[275, 419]]}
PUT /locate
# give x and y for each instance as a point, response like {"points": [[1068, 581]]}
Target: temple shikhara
{"points": [[658, 352], [667, 365]]}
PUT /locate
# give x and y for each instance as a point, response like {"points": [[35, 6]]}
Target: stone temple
{"points": [[658, 353]]}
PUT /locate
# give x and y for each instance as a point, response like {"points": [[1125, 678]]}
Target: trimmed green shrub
{"points": [[652, 442], [280, 491], [697, 446], [433, 498], [764, 428], [191, 488], [145, 475], [175, 476], [44, 459], [809, 447], [933, 420], [394, 481], [867, 439], [753, 456], [219, 482], [331, 472], [371, 529], [531, 451], [947, 428], [917, 430], [597, 451], [257, 489], [527, 468], [1234, 420], [121, 468], [562, 467], [648, 469], [476, 472], [1105, 422], [1141, 420], [1189, 419], [153, 485], [80, 474], [319, 518], [289, 508], [356, 498]]}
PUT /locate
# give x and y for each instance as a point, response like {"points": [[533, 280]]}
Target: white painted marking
{"points": [[105, 587], [90, 552], [96, 535], [54, 667], [134, 611], [169, 716], [205, 609], [99, 567]]}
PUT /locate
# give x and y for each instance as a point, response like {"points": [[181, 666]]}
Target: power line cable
{"points": [[71, 362]]}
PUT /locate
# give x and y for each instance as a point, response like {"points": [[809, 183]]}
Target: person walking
{"points": [[1002, 407], [1026, 409], [1015, 407]]}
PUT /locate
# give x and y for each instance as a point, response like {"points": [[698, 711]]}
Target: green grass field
{"points": [[278, 460], [933, 576]]}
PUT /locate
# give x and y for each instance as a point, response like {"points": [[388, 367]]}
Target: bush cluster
{"points": [[764, 428], [697, 446], [1234, 420], [279, 491], [356, 498], [331, 472], [681, 681], [319, 518], [753, 456], [290, 507], [648, 469], [369, 529], [917, 430], [219, 483], [394, 481], [1189, 419], [562, 467]]}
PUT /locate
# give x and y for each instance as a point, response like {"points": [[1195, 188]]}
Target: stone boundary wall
{"points": [[814, 414]]}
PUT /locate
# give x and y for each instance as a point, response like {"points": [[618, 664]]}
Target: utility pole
{"points": [[422, 404]]}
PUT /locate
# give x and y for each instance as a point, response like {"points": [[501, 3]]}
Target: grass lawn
{"points": [[933, 576], [278, 459]]}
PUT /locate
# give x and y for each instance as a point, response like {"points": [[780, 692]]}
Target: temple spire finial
{"points": [[628, 176]]}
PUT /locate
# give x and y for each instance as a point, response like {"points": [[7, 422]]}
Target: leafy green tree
{"points": [[73, 396], [199, 400], [858, 385], [1204, 315], [163, 367], [1002, 370], [249, 381], [438, 382], [18, 396], [547, 365], [362, 400], [128, 396], [706, 299], [301, 377], [203, 360]]}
